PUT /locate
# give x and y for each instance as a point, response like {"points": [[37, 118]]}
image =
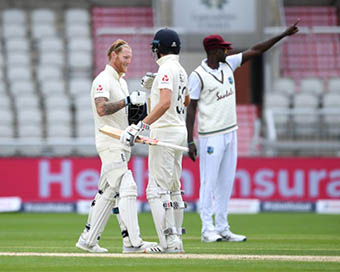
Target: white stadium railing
{"points": [[312, 137]]}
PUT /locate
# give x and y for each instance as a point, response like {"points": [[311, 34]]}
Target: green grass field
{"points": [[294, 234]]}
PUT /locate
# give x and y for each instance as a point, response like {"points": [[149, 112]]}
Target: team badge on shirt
{"points": [[230, 79], [210, 149]]}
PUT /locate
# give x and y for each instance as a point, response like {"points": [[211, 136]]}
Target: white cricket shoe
{"points": [[181, 245], [174, 250], [228, 236], [141, 249], [94, 249], [175, 244], [210, 237], [155, 249], [158, 249]]}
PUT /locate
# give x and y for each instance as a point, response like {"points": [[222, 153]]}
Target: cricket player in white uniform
{"points": [[212, 91], [117, 188], [169, 98]]}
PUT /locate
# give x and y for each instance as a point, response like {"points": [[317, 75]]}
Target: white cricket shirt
{"points": [[215, 91], [111, 85], [170, 75]]}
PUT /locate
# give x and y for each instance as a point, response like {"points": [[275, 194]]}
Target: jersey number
{"points": [[180, 107]]}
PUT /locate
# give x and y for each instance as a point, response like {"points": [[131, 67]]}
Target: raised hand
{"points": [[292, 29]]}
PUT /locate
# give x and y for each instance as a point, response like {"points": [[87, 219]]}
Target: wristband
{"points": [[190, 143], [145, 125], [127, 101]]}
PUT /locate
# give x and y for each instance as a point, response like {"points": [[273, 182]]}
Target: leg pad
{"points": [[170, 231], [167, 204]]}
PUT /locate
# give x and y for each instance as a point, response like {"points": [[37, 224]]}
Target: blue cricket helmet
{"points": [[166, 41]]}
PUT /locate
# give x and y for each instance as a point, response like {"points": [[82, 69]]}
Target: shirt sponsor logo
{"points": [[226, 94], [165, 78], [99, 88]]}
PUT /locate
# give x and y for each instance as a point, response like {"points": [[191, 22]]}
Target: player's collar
{"points": [[207, 68], [112, 71], [166, 58]]}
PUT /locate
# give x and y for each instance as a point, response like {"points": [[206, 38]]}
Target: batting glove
{"points": [[136, 98], [130, 134], [147, 80]]}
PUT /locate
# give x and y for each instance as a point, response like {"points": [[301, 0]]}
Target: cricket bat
{"points": [[115, 133]]}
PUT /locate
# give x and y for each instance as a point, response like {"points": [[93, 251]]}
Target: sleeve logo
{"points": [[99, 88], [165, 78]]}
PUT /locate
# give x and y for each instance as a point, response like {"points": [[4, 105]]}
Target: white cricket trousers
{"points": [[114, 166], [218, 159], [165, 164]]}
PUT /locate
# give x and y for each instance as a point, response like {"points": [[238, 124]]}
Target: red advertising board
{"points": [[71, 179]]}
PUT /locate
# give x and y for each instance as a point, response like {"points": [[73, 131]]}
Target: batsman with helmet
{"points": [[212, 92], [169, 99]]}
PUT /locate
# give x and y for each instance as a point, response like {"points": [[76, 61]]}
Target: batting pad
{"points": [[128, 214], [124, 231], [158, 215], [162, 211], [169, 213], [128, 208], [128, 185], [100, 215], [176, 197], [89, 217]]}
